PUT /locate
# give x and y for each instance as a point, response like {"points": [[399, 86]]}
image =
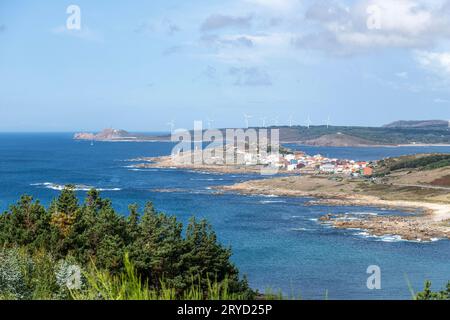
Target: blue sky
{"points": [[137, 65]]}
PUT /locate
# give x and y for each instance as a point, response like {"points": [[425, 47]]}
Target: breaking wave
{"points": [[271, 201], [390, 237], [207, 179], [77, 187]]}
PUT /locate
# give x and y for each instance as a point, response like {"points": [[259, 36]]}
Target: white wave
{"points": [[143, 169], [346, 218], [201, 172], [391, 238], [300, 229], [77, 187], [271, 201], [268, 195], [362, 213], [384, 238], [206, 179]]}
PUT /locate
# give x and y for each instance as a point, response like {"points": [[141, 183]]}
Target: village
{"points": [[234, 159], [302, 163]]}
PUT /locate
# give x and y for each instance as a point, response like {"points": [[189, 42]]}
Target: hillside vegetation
{"points": [[417, 162], [396, 133], [39, 247], [371, 135]]}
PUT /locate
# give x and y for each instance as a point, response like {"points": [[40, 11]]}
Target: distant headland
{"points": [[398, 133], [112, 135]]}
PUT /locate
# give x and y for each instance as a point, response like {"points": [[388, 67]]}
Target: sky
{"points": [[138, 65]]}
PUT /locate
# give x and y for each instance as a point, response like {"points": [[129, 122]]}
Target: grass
{"points": [[35, 278], [101, 285]]}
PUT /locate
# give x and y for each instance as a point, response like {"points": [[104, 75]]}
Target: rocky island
{"points": [[114, 135]]}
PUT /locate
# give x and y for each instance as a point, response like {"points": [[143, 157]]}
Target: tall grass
{"points": [[101, 285], [38, 276]]}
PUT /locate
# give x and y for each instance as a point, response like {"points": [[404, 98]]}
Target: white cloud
{"points": [[250, 76], [220, 21], [255, 49], [440, 101], [334, 27], [392, 24], [277, 5], [436, 62]]}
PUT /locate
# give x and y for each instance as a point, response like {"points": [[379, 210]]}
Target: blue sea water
{"points": [[277, 241]]}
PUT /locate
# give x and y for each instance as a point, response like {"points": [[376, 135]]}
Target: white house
{"points": [[327, 167]]}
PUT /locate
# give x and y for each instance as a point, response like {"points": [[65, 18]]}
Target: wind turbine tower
{"points": [[247, 117], [210, 121], [308, 122], [172, 125], [263, 121]]}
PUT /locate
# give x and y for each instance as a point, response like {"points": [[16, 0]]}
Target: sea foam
{"points": [[77, 187]]}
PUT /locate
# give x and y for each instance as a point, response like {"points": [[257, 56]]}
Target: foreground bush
{"points": [[94, 236], [428, 294], [129, 286]]}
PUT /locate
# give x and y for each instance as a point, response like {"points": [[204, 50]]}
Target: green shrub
{"points": [[427, 294], [68, 234]]}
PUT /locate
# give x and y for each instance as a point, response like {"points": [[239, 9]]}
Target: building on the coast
{"points": [[368, 171], [303, 163], [327, 168]]}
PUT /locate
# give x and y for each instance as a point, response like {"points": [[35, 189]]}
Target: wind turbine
{"points": [[275, 121], [171, 123], [328, 121], [263, 121], [210, 121], [247, 117], [290, 121], [308, 122]]}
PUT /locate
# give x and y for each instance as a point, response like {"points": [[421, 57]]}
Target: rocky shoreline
{"points": [[407, 228], [428, 221], [430, 218]]}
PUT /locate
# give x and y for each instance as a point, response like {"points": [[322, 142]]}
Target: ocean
{"points": [[276, 241]]}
